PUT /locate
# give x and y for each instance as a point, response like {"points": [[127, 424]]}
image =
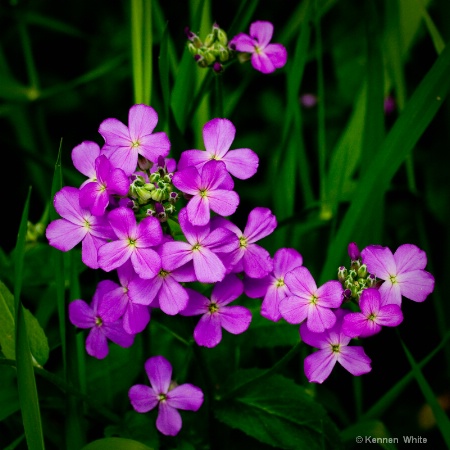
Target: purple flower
{"points": [[274, 286], [210, 188], [218, 135], [200, 248], [265, 57], [353, 251], [166, 395], [123, 144], [133, 242], [102, 318], [215, 312], [372, 317], [94, 195], [403, 272], [246, 255], [307, 302], [77, 225], [333, 347]]}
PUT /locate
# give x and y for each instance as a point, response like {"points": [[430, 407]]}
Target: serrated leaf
{"points": [[282, 414], [115, 443]]}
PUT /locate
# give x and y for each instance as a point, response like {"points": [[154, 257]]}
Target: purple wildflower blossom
{"points": [[403, 272], [164, 394], [102, 318], [133, 242], [211, 189], [265, 57], [246, 256], [333, 347], [94, 195], [77, 225], [123, 144], [372, 317], [216, 314], [353, 251], [273, 285], [200, 248], [307, 302], [218, 135]]}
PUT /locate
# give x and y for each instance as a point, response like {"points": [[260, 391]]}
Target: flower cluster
{"points": [[164, 226], [215, 51]]}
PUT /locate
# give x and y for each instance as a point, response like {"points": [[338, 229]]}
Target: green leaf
{"points": [[7, 338], [9, 400], [115, 443], [36, 338], [280, 413]]}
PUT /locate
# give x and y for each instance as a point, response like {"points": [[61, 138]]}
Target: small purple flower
{"points": [[266, 57], [218, 135], [307, 302], [200, 248], [211, 189], [333, 347], [246, 255], [102, 318], [166, 395], [216, 314], [133, 242], [372, 316], [94, 195], [353, 251], [403, 272], [77, 225], [124, 144], [284, 260]]}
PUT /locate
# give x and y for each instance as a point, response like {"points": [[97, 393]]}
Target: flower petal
{"points": [[142, 398], [81, 314], [142, 120], [235, 319], [319, 365], [169, 420], [380, 261], [218, 135], [159, 372], [416, 284], [185, 396], [355, 360], [208, 332], [262, 31], [409, 257]]}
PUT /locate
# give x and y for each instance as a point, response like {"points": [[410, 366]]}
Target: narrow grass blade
{"points": [[414, 120], [26, 382]]}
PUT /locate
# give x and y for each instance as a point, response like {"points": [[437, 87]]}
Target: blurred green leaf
{"points": [[36, 337], [280, 413], [115, 443], [9, 400], [7, 329]]}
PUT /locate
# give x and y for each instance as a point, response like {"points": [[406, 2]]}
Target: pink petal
{"points": [[149, 233], [277, 54], [116, 333], [142, 398], [94, 198], [154, 146], [357, 325], [227, 290], [409, 257], [215, 176], [416, 285], [197, 304], [257, 261], [294, 309], [301, 283], [136, 318], [114, 254], [186, 397], [198, 210], [208, 267], [193, 158], [175, 254], [115, 133], [243, 43], [187, 180], [159, 372], [169, 420], [330, 294], [84, 156], [173, 297], [319, 365], [223, 202], [390, 293], [355, 360], [96, 343], [146, 262], [124, 158], [317, 340], [89, 250], [242, 163], [262, 63], [320, 319], [380, 261], [370, 301], [208, 332], [67, 205], [81, 314], [390, 316], [262, 31], [64, 235], [142, 120], [235, 319], [218, 135], [261, 222], [123, 222], [285, 260], [270, 307]]}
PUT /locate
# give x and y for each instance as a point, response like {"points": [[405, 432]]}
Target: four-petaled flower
{"points": [[309, 302], [218, 135], [164, 394], [333, 347], [372, 317], [124, 144], [265, 57], [403, 272]]}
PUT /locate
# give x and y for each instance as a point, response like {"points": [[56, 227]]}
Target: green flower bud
{"points": [[362, 271], [209, 40], [154, 177], [222, 37], [342, 274]]}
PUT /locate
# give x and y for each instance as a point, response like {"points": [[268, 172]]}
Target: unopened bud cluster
{"points": [[154, 197], [355, 279], [213, 51]]}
